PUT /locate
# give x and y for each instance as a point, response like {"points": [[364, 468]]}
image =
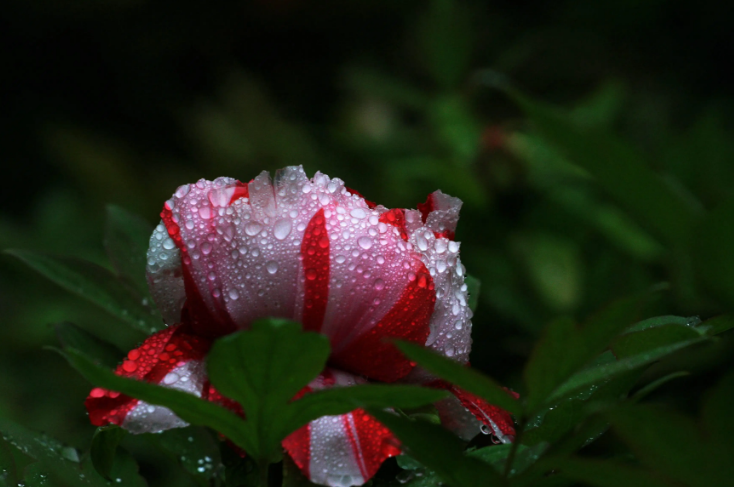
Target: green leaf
{"points": [[94, 283], [126, 242], [608, 371], [564, 348], [186, 406], [717, 413], [473, 285], [618, 167], [462, 376], [660, 321], [72, 336], [440, 451], [56, 459], [718, 324], [104, 448], [341, 400], [648, 388], [605, 473], [640, 342], [193, 447], [263, 369], [497, 456]]}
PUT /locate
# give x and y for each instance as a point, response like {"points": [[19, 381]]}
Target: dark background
{"points": [[121, 101]]}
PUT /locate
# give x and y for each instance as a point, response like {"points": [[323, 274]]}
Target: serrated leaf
{"points": [[440, 451], [126, 242], [72, 336], [104, 448], [463, 377], [95, 284], [186, 406]]}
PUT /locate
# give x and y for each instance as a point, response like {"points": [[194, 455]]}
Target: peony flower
{"points": [[227, 253]]}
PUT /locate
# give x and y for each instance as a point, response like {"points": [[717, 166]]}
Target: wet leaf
{"points": [[104, 448]]}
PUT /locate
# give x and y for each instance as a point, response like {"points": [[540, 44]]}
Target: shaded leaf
{"points": [[474, 286], [94, 283], [126, 242], [564, 348], [607, 473], [718, 324], [618, 167], [640, 342], [72, 336], [659, 321], [712, 255], [104, 448], [607, 371], [193, 447]]}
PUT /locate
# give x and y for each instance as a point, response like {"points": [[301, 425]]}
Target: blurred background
{"points": [[121, 101]]}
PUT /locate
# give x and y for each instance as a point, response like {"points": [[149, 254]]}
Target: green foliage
{"points": [[96, 284]]}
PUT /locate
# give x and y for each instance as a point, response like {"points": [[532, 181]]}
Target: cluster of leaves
{"points": [[577, 381]]}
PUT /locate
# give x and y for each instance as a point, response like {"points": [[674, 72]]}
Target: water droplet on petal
{"points": [[272, 267], [205, 212], [206, 248], [234, 294], [358, 213], [365, 242], [379, 284], [253, 228], [282, 228]]}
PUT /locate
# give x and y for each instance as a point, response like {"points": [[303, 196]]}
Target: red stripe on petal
{"points": [[371, 355], [396, 218], [298, 446], [489, 414], [204, 320], [371, 442], [315, 258], [426, 208], [151, 362], [240, 191]]}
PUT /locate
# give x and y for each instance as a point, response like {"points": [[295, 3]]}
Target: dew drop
{"points": [[234, 294], [168, 244], [272, 267], [206, 248], [358, 213], [379, 284], [365, 242], [253, 228], [282, 228], [340, 259], [205, 212]]}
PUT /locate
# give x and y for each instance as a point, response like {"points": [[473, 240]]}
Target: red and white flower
{"points": [[227, 253]]}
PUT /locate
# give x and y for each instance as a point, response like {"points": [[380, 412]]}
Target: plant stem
{"points": [[513, 450], [263, 468]]}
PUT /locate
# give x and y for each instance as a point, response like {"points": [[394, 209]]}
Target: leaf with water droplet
{"points": [[193, 447]]}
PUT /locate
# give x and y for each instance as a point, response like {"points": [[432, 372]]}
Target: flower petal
{"points": [[341, 450], [491, 419], [173, 358]]}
